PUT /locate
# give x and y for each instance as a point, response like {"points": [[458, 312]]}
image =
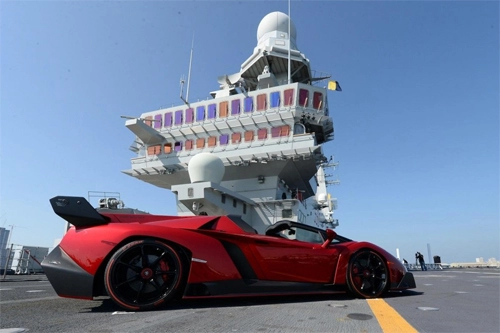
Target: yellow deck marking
{"points": [[389, 319]]}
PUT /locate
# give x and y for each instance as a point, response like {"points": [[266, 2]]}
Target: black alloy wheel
{"points": [[367, 274], [144, 274]]}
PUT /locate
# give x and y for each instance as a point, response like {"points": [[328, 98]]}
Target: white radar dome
{"points": [[276, 21], [206, 167]]}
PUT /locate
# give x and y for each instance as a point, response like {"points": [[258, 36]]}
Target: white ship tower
{"points": [[254, 148]]}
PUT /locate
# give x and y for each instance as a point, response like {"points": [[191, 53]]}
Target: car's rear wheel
{"points": [[367, 274], [144, 274]]}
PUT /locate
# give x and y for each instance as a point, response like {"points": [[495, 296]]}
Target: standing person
{"points": [[421, 260]]}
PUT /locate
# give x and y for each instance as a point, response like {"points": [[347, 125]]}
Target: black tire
{"points": [[144, 274], [367, 274]]}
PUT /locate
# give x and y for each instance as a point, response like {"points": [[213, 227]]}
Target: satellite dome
{"points": [[276, 21], [206, 167]]}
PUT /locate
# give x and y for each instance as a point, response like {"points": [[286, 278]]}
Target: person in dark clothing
{"points": [[421, 260]]}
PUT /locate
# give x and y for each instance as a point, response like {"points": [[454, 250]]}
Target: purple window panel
{"points": [[178, 146], [248, 104], [157, 122], [303, 96], [168, 119], [224, 139], [189, 115], [235, 106], [212, 111], [275, 99], [200, 112], [178, 117]]}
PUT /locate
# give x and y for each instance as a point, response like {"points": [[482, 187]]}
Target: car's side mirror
{"points": [[330, 235]]}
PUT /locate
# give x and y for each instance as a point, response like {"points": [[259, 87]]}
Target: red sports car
{"points": [[144, 261]]}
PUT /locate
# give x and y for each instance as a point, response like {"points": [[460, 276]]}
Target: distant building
{"points": [[25, 259], [4, 238]]}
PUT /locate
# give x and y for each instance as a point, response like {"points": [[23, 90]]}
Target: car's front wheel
{"points": [[367, 274], [144, 274]]}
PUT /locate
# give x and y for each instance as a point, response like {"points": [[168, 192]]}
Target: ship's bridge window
{"points": [[189, 115], [235, 106], [280, 131], [148, 120], [318, 100], [168, 119], [189, 145], [236, 138], [200, 113], [303, 97], [288, 93], [212, 111], [212, 141], [157, 122], [167, 149], [178, 118], [154, 150], [248, 101], [262, 134], [178, 146], [275, 99], [223, 109], [200, 143], [224, 139], [261, 102], [249, 136]]}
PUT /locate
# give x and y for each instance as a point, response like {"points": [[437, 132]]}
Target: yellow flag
{"points": [[334, 85]]}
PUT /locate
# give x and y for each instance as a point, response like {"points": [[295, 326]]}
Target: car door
{"points": [[298, 257]]}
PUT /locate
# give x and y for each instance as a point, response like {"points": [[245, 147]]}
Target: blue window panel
{"points": [[157, 122], [224, 139], [212, 111], [235, 106], [200, 113], [178, 146], [248, 104], [168, 119], [178, 118], [275, 99]]}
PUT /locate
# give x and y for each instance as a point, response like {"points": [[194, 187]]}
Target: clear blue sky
{"points": [[416, 127]]}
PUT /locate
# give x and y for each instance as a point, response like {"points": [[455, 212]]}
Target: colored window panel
{"points": [[154, 150], [167, 149], [262, 134], [212, 111], [148, 121], [200, 113], [261, 102], [236, 138], [249, 136], [189, 145], [275, 132], [248, 104], [212, 141], [168, 119], [303, 97], [288, 94], [200, 143], [224, 139], [285, 130], [189, 115], [223, 109], [157, 122], [317, 100], [178, 146], [275, 99], [178, 118], [235, 106]]}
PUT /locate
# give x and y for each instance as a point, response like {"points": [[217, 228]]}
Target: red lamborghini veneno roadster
{"points": [[144, 261]]}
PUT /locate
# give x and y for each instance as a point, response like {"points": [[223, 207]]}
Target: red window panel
{"points": [[189, 145], [236, 138], [249, 136], [318, 100], [288, 94], [261, 102], [212, 141], [303, 97], [223, 109], [262, 134], [200, 143], [167, 149]]}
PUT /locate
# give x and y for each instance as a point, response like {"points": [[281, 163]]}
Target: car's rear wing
{"points": [[77, 211]]}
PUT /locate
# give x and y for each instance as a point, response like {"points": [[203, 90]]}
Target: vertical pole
{"points": [[289, 45]]}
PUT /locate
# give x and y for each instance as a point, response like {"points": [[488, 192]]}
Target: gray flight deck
{"points": [[450, 300]]}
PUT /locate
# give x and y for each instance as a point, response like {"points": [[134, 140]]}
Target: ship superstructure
{"points": [[254, 148]]}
